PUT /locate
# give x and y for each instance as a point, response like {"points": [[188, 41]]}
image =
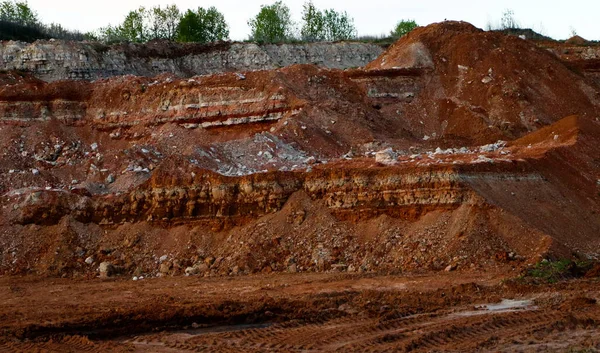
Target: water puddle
{"points": [[505, 306]]}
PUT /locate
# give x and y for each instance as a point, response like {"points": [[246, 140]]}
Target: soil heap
{"points": [[455, 149]]}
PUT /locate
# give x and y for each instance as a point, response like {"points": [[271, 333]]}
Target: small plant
{"points": [[554, 271], [403, 28], [573, 31]]}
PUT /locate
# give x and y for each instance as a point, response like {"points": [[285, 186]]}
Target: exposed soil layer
{"points": [[452, 150], [288, 200]]}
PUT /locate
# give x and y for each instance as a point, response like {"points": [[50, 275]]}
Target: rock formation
{"points": [[60, 60]]}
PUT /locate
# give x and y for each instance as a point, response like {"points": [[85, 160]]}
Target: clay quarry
{"points": [[441, 194]]}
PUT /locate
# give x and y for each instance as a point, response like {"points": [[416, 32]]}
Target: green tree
{"points": [[403, 28], [313, 23], [338, 26], [328, 25], [172, 17], [132, 27], [18, 12], [272, 24], [161, 23], [110, 34], [145, 24], [203, 26]]}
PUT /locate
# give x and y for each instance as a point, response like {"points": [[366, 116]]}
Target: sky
{"points": [[557, 19]]}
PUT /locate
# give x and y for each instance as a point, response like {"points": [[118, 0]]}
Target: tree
{"points": [[272, 24], [338, 26], [508, 20], [145, 24], [313, 23], [111, 34], [18, 12], [19, 22], [172, 17], [403, 28], [203, 26], [328, 25], [162, 23], [133, 26], [57, 31]]}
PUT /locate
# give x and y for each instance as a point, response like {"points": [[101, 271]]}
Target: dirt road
{"points": [[298, 313]]}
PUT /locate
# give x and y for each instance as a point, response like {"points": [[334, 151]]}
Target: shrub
{"points": [[403, 28]]}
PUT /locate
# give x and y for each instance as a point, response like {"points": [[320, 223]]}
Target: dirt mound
{"points": [[576, 40], [448, 152], [487, 84]]}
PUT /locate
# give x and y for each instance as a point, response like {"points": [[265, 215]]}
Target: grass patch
{"points": [[554, 271]]}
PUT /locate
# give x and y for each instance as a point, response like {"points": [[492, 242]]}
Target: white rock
{"points": [[106, 269], [163, 258], [35, 172], [94, 146], [386, 156], [492, 146], [89, 260], [135, 278], [484, 159], [189, 271]]}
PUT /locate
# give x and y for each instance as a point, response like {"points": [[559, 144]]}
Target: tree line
{"points": [[272, 24], [19, 22]]}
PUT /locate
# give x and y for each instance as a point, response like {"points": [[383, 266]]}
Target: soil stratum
{"points": [[304, 208]]}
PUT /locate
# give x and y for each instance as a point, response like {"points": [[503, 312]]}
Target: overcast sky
{"points": [[554, 18]]}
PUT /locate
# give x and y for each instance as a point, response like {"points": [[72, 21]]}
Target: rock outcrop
{"points": [[60, 60]]}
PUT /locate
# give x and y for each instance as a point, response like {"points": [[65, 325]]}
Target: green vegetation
{"points": [[555, 271], [202, 26], [328, 25], [403, 28], [313, 28], [272, 24], [144, 24], [19, 22], [19, 13]]}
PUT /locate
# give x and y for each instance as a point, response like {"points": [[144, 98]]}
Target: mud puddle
{"points": [[505, 306], [144, 339]]}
